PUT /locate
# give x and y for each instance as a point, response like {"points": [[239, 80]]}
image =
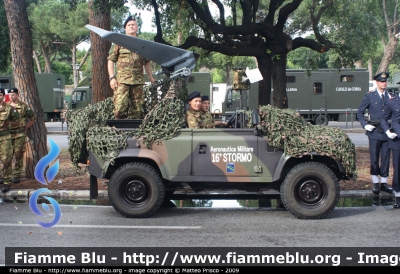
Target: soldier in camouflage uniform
{"points": [[18, 131], [193, 115], [7, 114], [129, 80], [207, 118]]}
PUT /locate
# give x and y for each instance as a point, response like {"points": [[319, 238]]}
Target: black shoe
{"points": [[16, 180], [5, 188], [396, 202], [376, 190], [385, 188]]}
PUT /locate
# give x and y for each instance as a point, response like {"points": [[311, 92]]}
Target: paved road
{"points": [[102, 226]]}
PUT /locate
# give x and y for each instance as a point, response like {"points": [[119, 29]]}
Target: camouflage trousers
{"points": [[19, 146], [128, 101], [6, 152]]}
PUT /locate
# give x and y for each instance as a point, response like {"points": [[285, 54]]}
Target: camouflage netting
{"points": [[166, 118], [284, 128], [88, 128], [80, 121]]}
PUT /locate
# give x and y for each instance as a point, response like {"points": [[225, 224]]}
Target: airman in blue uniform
{"points": [[379, 150], [392, 111]]}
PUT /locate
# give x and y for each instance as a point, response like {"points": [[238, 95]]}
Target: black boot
{"points": [[396, 202], [16, 180], [385, 188], [376, 190], [5, 188]]}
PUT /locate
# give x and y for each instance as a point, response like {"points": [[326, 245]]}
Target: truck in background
{"points": [[218, 96], [81, 96], [327, 95], [51, 87]]}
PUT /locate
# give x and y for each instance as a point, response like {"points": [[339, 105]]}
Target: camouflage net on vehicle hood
{"points": [[88, 129], [286, 129]]}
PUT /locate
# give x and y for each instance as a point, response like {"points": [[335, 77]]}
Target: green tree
{"points": [[5, 54], [56, 24], [24, 77], [390, 32], [255, 28]]}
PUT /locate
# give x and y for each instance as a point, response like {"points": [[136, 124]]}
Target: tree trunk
{"points": [[45, 50], [22, 63], [358, 64], [279, 95], [37, 61], [264, 87], [100, 84], [388, 54], [74, 69], [371, 75], [228, 74]]}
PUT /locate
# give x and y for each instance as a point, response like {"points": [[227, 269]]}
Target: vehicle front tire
{"points": [[310, 191], [136, 190]]}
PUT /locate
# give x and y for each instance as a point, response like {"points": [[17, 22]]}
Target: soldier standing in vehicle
{"points": [[379, 149], [7, 114], [208, 120], [193, 115], [18, 131], [128, 82]]}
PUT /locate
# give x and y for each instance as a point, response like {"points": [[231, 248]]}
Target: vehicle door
{"points": [[318, 98], [224, 154]]}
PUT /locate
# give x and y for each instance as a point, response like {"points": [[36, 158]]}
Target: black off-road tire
{"points": [[136, 190], [322, 120], [310, 191]]}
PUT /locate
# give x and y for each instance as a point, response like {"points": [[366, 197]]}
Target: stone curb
{"points": [[22, 194]]}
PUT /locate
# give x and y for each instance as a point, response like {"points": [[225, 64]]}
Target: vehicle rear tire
{"points": [[136, 190], [322, 120], [310, 191]]}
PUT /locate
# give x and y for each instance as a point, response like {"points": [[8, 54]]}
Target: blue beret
{"points": [[13, 90], [2, 91], [382, 77], [193, 95], [205, 98], [129, 19]]}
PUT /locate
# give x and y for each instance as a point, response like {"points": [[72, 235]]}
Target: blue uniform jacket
{"points": [[373, 102], [392, 110]]}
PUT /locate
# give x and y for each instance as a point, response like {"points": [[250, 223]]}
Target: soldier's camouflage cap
{"points": [[2, 91], [193, 95], [13, 90], [205, 98], [381, 77]]}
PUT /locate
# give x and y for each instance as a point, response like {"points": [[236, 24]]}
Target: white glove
{"points": [[369, 127], [391, 135]]}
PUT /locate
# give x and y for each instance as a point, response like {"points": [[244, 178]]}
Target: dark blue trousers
{"points": [[379, 154], [396, 170]]}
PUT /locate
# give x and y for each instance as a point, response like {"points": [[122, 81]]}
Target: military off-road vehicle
{"points": [[256, 151]]}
